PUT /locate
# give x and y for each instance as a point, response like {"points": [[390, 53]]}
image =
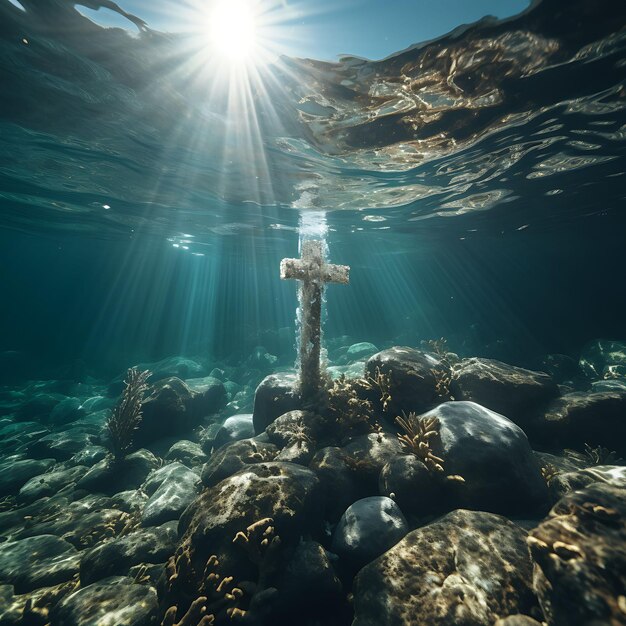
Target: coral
{"points": [[549, 472], [595, 456], [219, 599], [381, 382], [127, 415], [260, 541], [346, 407], [218, 593], [263, 455], [439, 347], [36, 611], [195, 616], [443, 380], [416, 439], [115, 527]]}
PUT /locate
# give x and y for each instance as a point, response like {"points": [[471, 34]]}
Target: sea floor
{"points": [[419, 488]]}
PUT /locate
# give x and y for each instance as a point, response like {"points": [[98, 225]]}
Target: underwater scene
{"points": [[290, 336]]}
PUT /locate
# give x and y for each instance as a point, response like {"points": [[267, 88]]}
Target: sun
{"points": [[233, 30]]}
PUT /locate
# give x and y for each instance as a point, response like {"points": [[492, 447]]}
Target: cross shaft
{"points": [[314, 273]]}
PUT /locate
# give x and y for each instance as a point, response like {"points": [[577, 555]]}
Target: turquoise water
{"points": [[475, 186]]}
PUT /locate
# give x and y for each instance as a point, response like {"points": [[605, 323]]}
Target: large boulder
{"points": [[35, 562], [173, 408], [108, 476], [209, 395], [340, 480], [577, 418], [50, 483], [368, 528], [506, 389], [14, 473], [491, 454], [468, 568], [580, 557], [275, 395], [285, 492], [414, 377]]}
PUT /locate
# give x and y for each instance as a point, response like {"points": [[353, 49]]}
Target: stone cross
{"points": [[314, 272]]}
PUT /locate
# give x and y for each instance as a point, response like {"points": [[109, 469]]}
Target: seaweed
{"points": [[127, 414]]}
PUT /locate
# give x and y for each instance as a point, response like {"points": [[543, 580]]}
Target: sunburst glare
{"points": [[232, 29]]}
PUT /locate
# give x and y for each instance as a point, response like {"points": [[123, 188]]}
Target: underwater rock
{"points": [[296, 433], [97, 403], [90, 455], [310, 585], [15, 473], [234, 457], [50, 483], [413, 378], [186, 452], [172, 408], [580, 558], [117, 556], [38, 407], [603, 358], [368, 528], [353, 370], [517, 620], [14, 519], [300, 452], [68, 410], [61, 445], [108, 476], [609, 385], [362, 350], [80, 524], [178, 488], [469, 567], [413, 486], [562, 369], [115, 601], [565, 482], [34, 562], [209, 395], [275, 395], [505, 389], [131, 501], [285, 492], [170, 367], [578, 418], [339, 480], [234, 428], [17, 434], [493, 456], [292, 427], [261, 360], [368, 454]]}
